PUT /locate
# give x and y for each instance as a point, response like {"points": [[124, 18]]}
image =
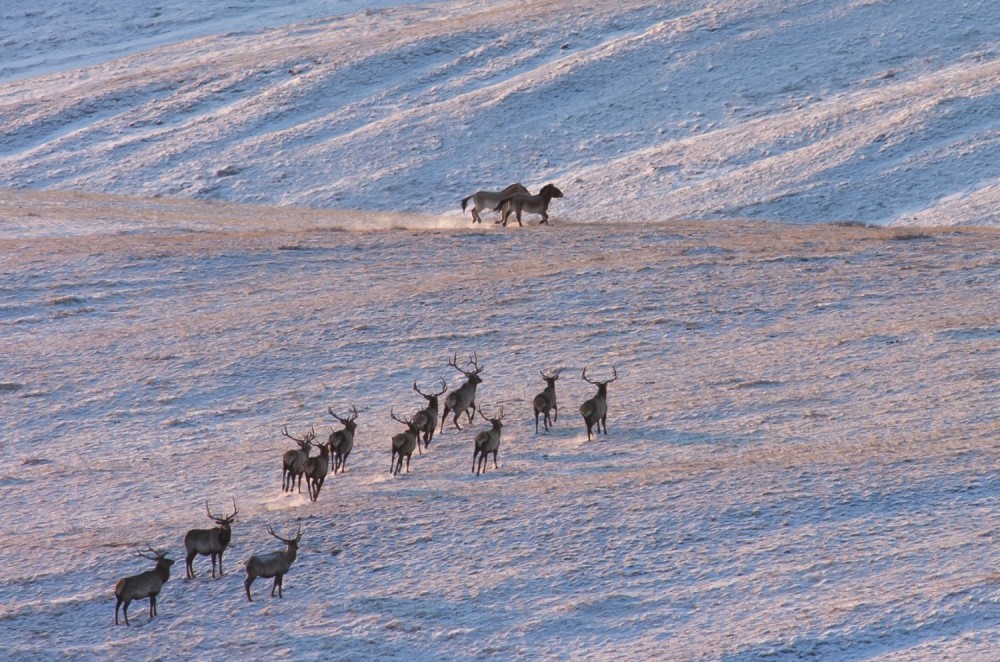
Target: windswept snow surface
{"points": [[801, 459], [803, 111]]}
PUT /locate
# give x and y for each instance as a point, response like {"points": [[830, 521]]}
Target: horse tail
{"points": [[465, 201], [502, 203]]}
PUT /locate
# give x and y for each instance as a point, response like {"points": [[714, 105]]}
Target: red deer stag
{"points": [[463, 399], [210, 542], [273, 564], [595, 410], [426, 418], [294, 461], [545, 401], [341, 442], [487, 441], [144, 585]]}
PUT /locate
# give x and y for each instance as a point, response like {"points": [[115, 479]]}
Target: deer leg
{"points": [[220, 565], [545, 219], [536, 422], [519, 223], [152, 605], [118, 604], [444, 417], [125, 610], [246, 585], [604, 421], [495, 465], [555, 413], [190, 564]]}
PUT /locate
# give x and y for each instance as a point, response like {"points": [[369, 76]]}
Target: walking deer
{"points": [[487, 441], [342, 441], [316, 470], [210, 542], [595, 410], [294, 461], [144, 585], [463, 399], [426, 418], [545, 401], [403, 444], [273, 564]]}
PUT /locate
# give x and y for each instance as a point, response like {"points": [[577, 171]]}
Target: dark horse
{"points": [[531, 204]]}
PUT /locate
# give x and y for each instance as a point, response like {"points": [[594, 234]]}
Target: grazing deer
{"points": [[403, 444], [464, 397], [316, 470], [294, 461], [273, 564], [342, 441], [144, 585], [595, 410], [426, 418], [487, 441], [210, 542], [546, 401]]}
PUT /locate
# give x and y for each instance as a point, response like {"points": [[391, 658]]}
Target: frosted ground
{"points": [[802, 458], [856, 110]]}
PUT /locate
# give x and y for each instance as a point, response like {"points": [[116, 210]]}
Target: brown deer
{"points": [[487, 441], [595, 410], [144, 585], [545, 401], [210, 542], [463, 399], [316, 470], [426, 418], [403, 444], [273, 564], [294, 461], [341, 442]]}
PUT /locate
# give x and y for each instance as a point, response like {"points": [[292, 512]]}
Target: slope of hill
{"points": [[798, 111], [800, 460]]}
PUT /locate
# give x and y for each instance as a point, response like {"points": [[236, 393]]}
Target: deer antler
{"points": [[305, 441], [490, 418], [595, 383], [444, 387], [157, 555], [554, 375], [473, 361], [298, 535], [397, 418], [353, 415]]}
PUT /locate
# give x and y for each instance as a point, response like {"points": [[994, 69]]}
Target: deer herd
{"points": [[297, 463]]}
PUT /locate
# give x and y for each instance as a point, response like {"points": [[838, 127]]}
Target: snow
{"points": [[220, 220], [843, 110]]}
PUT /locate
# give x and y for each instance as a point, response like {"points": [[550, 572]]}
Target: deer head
{"points": [[224, 521], [473, 374], [305, 443], [496, 420], [291, 542], [602, 387], [348, 421], [432, 397]]}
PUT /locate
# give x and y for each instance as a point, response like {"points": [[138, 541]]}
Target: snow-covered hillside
{"points": [[862, 110], [801, 460], [219, 219]]}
